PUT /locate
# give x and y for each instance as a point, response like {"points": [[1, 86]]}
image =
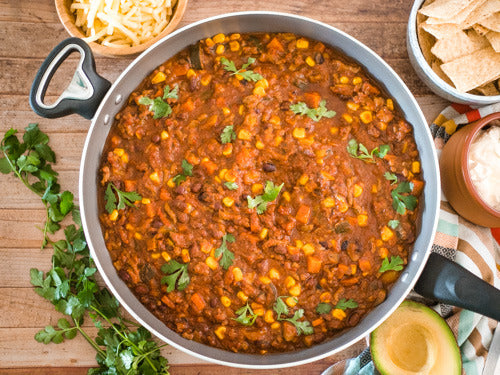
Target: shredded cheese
{"points": [[119, 23]]}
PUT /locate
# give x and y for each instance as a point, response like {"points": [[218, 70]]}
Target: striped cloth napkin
{"points": [[470, 245]]}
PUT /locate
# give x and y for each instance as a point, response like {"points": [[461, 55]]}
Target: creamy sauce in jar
{"points": [[484, 166]]}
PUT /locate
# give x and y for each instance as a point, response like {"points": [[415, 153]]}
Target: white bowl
{"points": [[430, 78]]}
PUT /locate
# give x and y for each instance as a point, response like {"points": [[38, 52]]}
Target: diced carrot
{"points": [[313, 264], [275, 44], [312, 99], [349, 282], [317, 322], [210, 166], [180, 70], [198, 301], [364, 264], [303, 214], [418, 186], [342, 270], [188, 105], [130, 185]]}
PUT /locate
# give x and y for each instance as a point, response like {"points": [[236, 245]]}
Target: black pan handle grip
{"points": [[85, 91], [448, 282]]}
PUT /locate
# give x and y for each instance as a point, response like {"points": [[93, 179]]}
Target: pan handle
{"points": [[448, 282], [85, 91]]}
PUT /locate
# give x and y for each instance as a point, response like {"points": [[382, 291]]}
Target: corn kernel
{"points": [[241, 109], [390, 104], [230, 176], [303, 179], [383, 252], [325, 297], [348, 118], [289, 281], [159, 77], [156, 255], [220, 332], [286, 196], [259, 311], [265, 280], [242, 296], [352, 106], [299, 133], [225, 301], [264, 83], [291, 301], [154, 177], [235, 36], [344, 80], [228, 149], [113, 215], [209, 42], [164, 135], [302, 43], [145, 201], [259, 91], [205, 80], [328, 202], [379, 242], [119, 152], [308, 249], [295, 290], [217, 179], [327, 176], [366, 117], [374, 189], [220, 49], [310, 61], [257, 188], [165, 256], [263, 233], [278, 140], [386, 234], [357, 190], [237, 274], [362, 220], [356, 80], [299, 244], [276, 325], [234, 46], [259, 145], [338, 314], [190, 73], [334, 130], [343, 206], [226, 111], [138, 236], [171, 183], [275, 120], [269, 316], [228, 201], [212, 263], [222, 172], [415, 167], [274, 274], [244, 135]]}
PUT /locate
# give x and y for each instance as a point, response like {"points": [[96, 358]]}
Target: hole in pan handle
{"points": [[85, 91], [448, 282]]}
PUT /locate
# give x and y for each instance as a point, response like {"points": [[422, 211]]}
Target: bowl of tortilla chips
{"points": [[454, 46]]}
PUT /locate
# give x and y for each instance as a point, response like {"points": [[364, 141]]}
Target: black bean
{"points": [[204, 197], [324, 244], [319, 58], [285, 106], [268, 167], [344, 245]]}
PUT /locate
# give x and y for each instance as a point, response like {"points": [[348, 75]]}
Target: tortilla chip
{"points": [[492, 22], [489, 89], [481, 12], [444, 8], [460, 17], [494, 39], [474, 70], [436, 66], [426, 41], [481, 30], [442, 30], [458, 45]]}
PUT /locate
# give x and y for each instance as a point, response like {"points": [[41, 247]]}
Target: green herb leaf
{"points": [[315, 114], [124, 198], [228, 135], [248, 75], [346, 304], [178, 276], [302, 327], [187, 171], [271, 192], [246, 315], [402, 202], [359, 151], [393, 224], [231, 185], [158, 105], [395, 264], [391, 177], [227, 256], [323, 308], [280, 307]]}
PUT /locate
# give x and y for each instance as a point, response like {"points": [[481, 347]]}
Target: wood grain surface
{"points": [[29, 30]]}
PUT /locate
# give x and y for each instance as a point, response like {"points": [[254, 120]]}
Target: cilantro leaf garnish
{"points": [[391, 177], [402, 202], [227, 256], [248, 75], [395, 264], [228, 135], [323, 308], [187, 170], [346, 304], [177, 275], [315, 114], [393, 224], [231, 185], [124, 198], [304, 326], [260, 202], [158, 105], [246, 316], [280, 307], [359, 151]]}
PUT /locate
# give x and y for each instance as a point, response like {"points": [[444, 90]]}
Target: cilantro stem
{"points": [[89, 340]]}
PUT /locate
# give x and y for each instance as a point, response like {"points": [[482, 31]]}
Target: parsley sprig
{"points": [[228, 135], [177, 275], [315, 114], [400, 201], [187, 171], [246, 316], [248, 75], [271, 192], [159, 106], [359, 151], [302, 326], [227, 255], [70, 285], [395, 264], [124, 198]]}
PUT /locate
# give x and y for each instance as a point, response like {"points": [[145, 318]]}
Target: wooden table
{"points": [[29, 30]]}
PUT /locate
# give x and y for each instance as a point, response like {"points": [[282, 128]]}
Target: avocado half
{"points": [[415, 340]]}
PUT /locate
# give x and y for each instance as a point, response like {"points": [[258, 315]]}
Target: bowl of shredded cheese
{"points": [[120, 27]]}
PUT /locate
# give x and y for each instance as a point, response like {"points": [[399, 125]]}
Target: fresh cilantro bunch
{"points": [[260, 202], [159, 106], [248, 75], [315, 114], [70, 285], [359, 151]]}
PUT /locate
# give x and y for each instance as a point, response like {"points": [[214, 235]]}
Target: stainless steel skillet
{"points": [[89, 95]]}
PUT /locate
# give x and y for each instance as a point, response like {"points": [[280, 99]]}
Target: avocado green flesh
{"points": [[415, 340]]}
